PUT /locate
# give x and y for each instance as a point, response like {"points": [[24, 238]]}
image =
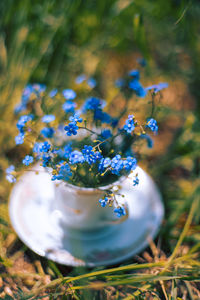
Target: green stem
{"points": [[153, 104], [91, 131], [101, 272]]}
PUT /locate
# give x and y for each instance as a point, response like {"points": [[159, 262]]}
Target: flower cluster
{"points": [[23, 120], [10, 174], [130, 124], [82, 143], [152, 124], [83, 78], [131, 83], [71, 128]]}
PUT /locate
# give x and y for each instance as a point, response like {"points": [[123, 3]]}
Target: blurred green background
{"points": [[51, 42]]}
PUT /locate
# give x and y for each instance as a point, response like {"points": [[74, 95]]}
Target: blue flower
{"points": [[24, 99], [152, 124], [96, 105], [22, 122], [135, 74], [59, 151], [76, 118], [64, 172], [89, 154], [19, 139], [130, 163], [98, 155], [47, 132], [38, 88], [48, 118], [37, 147], [10, 169], [136, 180], [93, 103], [106, 133], [130, 124], [137, 88], [91, 82], [69, 94], [10, 178], [120, 211], [157, 87], [79, 79], [56, 177], [28, 90], [76, 157], [88, 150], [116, 165], [44, 147], [102, 116], [27, 160], [9, 174], [71, 129], [27, 93], [46, 160], [104, 163], [69, 106], [103, 202], [67, 150], [53, 93]]}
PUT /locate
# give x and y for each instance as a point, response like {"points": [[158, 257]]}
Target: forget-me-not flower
{"points": [[27, 160]]}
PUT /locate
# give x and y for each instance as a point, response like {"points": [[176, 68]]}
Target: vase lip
{"points": [[92, 189]]}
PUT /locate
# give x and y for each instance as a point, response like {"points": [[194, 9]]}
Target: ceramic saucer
{"points": [[40, 228]]}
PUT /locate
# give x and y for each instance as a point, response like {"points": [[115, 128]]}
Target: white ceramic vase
{"points": [[79, 207]]}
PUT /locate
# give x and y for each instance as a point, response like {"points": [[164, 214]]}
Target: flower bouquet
{"points": [[82, 146]]}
